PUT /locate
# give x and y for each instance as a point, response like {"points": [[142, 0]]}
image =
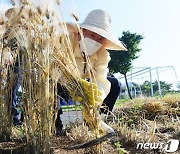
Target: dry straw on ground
{"points": [[147, 120]]}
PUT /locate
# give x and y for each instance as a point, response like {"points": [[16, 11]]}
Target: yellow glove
{"points": [[92, 92]]}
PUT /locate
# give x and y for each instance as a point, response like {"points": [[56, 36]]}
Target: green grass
{"points": [[65, 108], [70, 108], [120, 102], [78, 107]]}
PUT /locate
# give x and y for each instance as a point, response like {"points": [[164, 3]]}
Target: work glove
{"points": [[91, 91]]}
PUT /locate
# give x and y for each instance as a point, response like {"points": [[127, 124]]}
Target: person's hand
{"points": [[91, 91]]}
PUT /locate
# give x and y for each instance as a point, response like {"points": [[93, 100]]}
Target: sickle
{"points": [[105, 127]]}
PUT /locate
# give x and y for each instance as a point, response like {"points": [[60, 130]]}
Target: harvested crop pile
{"points": [[147, 120]]}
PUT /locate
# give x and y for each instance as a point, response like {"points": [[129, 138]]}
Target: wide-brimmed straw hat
{"points": [[99, 21]]}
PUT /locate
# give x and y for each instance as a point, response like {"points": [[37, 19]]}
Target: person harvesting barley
{"points": [[90, 41]]}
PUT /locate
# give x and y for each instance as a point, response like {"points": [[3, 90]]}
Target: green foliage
{"points": [[137, 106], [119, 149], [66, 108], [119, 102], [121, 61], [178, 86], [165, 87], [146, 87]]}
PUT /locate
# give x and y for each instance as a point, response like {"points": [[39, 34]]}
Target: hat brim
{"points": [[110, 42]]}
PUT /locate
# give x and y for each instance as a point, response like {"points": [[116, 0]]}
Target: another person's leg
{"points": [[17, 82], [62, 95], [58, 122], [111, 98]]}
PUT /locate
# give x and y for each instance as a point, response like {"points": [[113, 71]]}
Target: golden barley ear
{"points": [[12, 2], [2, 19], [75, 17], [58, 2], [43, 54]]}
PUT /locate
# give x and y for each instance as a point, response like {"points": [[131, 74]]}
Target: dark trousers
{"points": [[16, 84], [63, 95], [111, 98]]}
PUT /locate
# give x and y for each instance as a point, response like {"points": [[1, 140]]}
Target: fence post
{"points": [[152, 93], [159, 86]]}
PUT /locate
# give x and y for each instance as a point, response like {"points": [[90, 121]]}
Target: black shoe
{"points": [[59, 129], [59, 126], [17, 119], [17, 122]]}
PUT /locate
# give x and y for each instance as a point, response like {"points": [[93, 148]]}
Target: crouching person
{"points": [[96, 39]]}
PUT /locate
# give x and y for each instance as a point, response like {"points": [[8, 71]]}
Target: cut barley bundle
{"points": [[45, 58]]}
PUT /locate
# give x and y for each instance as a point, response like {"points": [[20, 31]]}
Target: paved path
{"points": [[71, 116]]}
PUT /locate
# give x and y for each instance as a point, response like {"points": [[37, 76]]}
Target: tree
{"points": [[165, 87], [178, 85], [146, 87], [121, 61]]}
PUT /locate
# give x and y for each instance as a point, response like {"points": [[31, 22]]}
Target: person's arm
{"points": [[101, 70]]}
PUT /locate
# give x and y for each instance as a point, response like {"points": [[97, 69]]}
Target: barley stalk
{"points": [[42, 58]]}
